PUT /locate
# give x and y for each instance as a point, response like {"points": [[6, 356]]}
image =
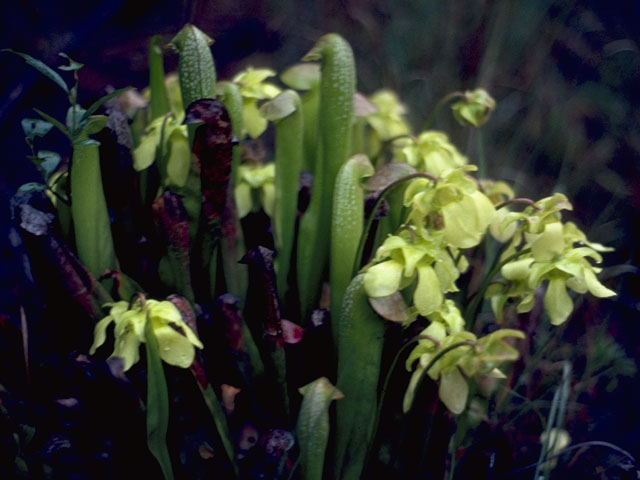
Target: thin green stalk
{"points": [[577, 446], [556, 419], [443, 101], [385, 387], [220, 419], [480, 155], [442, 353], [452, 455]]}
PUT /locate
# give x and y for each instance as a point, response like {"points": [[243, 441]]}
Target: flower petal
{"points": [[453, 390], [518, 269], [174, 348], [594, 285], [242, 194], [383, 279], [252, 119], [557, 301], [428, 294], [127, 346], [411, 390], [100, 333], [549, 244], [268, 198]]}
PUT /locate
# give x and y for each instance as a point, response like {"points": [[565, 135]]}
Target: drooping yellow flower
{"points": [[453, 204], [254, 88], [176, 340], [404, 257], [166, 138], [553, 258], [471, 357], [255, 178], [430, 152], [388, 121]]}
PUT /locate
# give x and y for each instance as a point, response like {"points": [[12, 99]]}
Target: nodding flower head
{"points": [[176, 340], [474, 108]]}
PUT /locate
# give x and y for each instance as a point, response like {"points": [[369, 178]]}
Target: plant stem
{"points": [[443, 101]]}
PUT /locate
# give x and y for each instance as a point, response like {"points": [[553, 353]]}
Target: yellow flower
{"points": [[388, 121], [254, 88], [409, 255], [175, 338], [468, 356], [253, 178], [553, 258], [431, 152], [174, 150], [453, 204]]}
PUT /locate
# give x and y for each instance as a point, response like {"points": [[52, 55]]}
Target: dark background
{"points": [[566, 76]]}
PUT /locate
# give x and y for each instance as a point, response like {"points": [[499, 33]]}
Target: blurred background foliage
{"points": [[565, 74]]}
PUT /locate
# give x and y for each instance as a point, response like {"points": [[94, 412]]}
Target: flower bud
{"points": [[474, 108]]}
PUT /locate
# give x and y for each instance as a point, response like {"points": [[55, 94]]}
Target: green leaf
{"points": [[56, 123], [88, 141], [347, 222], [359, 355], [73, 65], [220, 420], [195, 66], [47, 162], [159, 101], [42, 68], [74, 119], [281, 106], [32, 187], [179, 161], [335, 116], [157, 404], [313, 426], [94, 124], [302, 76], [92, 227], [101, 101], [34, 127]]}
